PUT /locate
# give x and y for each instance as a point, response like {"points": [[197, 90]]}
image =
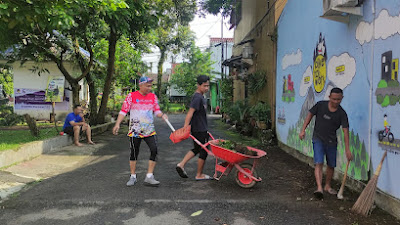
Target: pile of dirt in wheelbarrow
{"points": [[236, 147]]}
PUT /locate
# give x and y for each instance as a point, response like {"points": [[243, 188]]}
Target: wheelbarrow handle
{"points": [[170, 125]]}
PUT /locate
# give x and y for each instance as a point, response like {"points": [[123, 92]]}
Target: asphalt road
{"points": [[96, 193]]}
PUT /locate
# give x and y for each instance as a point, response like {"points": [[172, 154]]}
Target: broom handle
{"points": [[170, 125], [378, 170], [344, 179]]}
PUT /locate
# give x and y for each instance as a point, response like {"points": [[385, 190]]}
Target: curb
{"points": [[34, 149]]}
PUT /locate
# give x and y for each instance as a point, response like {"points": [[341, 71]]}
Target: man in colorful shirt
{"points": [[74, 124], [141, 105]]}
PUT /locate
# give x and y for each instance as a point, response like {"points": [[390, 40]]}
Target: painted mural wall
{"points": [[361, 57]]}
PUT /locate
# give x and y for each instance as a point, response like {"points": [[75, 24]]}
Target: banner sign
{"points": [[55, 89], [34, 99]]}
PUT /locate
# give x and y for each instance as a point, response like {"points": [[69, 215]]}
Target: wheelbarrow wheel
{"points": [[244, 181]]}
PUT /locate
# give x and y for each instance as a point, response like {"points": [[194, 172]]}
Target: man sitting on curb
{"points": [[74, 124]]}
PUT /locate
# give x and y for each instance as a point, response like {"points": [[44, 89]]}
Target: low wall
{"points": [[36, 148]]}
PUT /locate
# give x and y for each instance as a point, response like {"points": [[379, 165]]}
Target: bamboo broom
{"points": [[364, 202]]}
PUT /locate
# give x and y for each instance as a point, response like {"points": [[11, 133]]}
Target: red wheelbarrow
{"points": [[246, 175]]}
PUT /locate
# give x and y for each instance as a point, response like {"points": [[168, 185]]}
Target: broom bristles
{"points": [[366, 200]]}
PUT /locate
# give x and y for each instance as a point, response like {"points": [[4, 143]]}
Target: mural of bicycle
{"points": [[386, 133]]}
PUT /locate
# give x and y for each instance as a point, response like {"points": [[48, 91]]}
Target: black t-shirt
{"points": [[199, 119], [327, 122]]}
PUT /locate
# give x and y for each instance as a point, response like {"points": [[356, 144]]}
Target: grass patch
{"points": [[176, 107], [235, 136], [12, 139]]}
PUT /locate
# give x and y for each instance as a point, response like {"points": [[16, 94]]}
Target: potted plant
{"points": [[261, 112]]}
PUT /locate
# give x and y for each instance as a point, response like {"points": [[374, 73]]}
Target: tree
{"points": [[6, 81], [172, 33], [186, 73], [219, 6], [41, 30], [138, 18]]}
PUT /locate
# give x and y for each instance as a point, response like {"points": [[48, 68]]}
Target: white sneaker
{"points": [[151, 181], [131, 181]]}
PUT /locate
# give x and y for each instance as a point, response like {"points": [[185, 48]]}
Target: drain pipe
{"points": [[371, 87]]}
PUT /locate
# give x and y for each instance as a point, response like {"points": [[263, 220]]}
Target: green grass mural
{"points": [[358, 168]]}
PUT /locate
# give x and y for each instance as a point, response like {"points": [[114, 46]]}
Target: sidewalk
{"points": [[14, 178]]}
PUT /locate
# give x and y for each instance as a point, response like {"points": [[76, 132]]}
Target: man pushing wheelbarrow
{"points": [[196, 122]]}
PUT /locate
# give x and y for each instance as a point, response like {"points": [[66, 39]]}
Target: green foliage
{"points": [[305, 145], [128, 64], [8, 117], [220, 6], [379, 99], [238, 110], [358, 167], [382, 84], [386, 101], [393, 99], [199, 63], [393, 83], [256, 82], [172, 33], [226, 88], [6, 80], [261, 112]]}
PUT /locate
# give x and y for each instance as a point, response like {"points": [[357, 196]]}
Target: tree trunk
{"points": [[93, 100], [32, 125], [75, 93], [160, 72], [112, 42]]}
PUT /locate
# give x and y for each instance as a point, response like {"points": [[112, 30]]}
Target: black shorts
{"points": [[70, 130], [203, 138]]}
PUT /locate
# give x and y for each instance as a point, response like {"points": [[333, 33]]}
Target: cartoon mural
{"points": [[319, 67], [288, 89], [281, 116], [388, 91], [363, 60]]}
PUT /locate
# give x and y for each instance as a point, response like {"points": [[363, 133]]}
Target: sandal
{"points": [[319, 195], [331, 191], [182, 173], [206, 177]]}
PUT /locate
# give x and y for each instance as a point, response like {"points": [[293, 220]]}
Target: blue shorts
{"points": [[321, 149]]}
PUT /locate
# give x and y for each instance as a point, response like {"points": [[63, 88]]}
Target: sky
{"points": [[204, 28]]}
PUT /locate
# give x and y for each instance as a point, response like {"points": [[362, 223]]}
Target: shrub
{"points": [[238, 110], [393, 83], [379, 99], [393, 99], [261, 112], [8, 117], [382, 84]]}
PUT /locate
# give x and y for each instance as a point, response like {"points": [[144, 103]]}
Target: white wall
{"points": [[26, 79]]}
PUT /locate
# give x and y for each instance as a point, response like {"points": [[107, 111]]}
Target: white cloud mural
{"points": [[306, 81], [341, 70], [328, 91], [291, 59], [385, 26]]}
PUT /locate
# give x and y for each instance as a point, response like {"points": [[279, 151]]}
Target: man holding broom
{"points": [[197, 118], [329, 117], [141, 105]]}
